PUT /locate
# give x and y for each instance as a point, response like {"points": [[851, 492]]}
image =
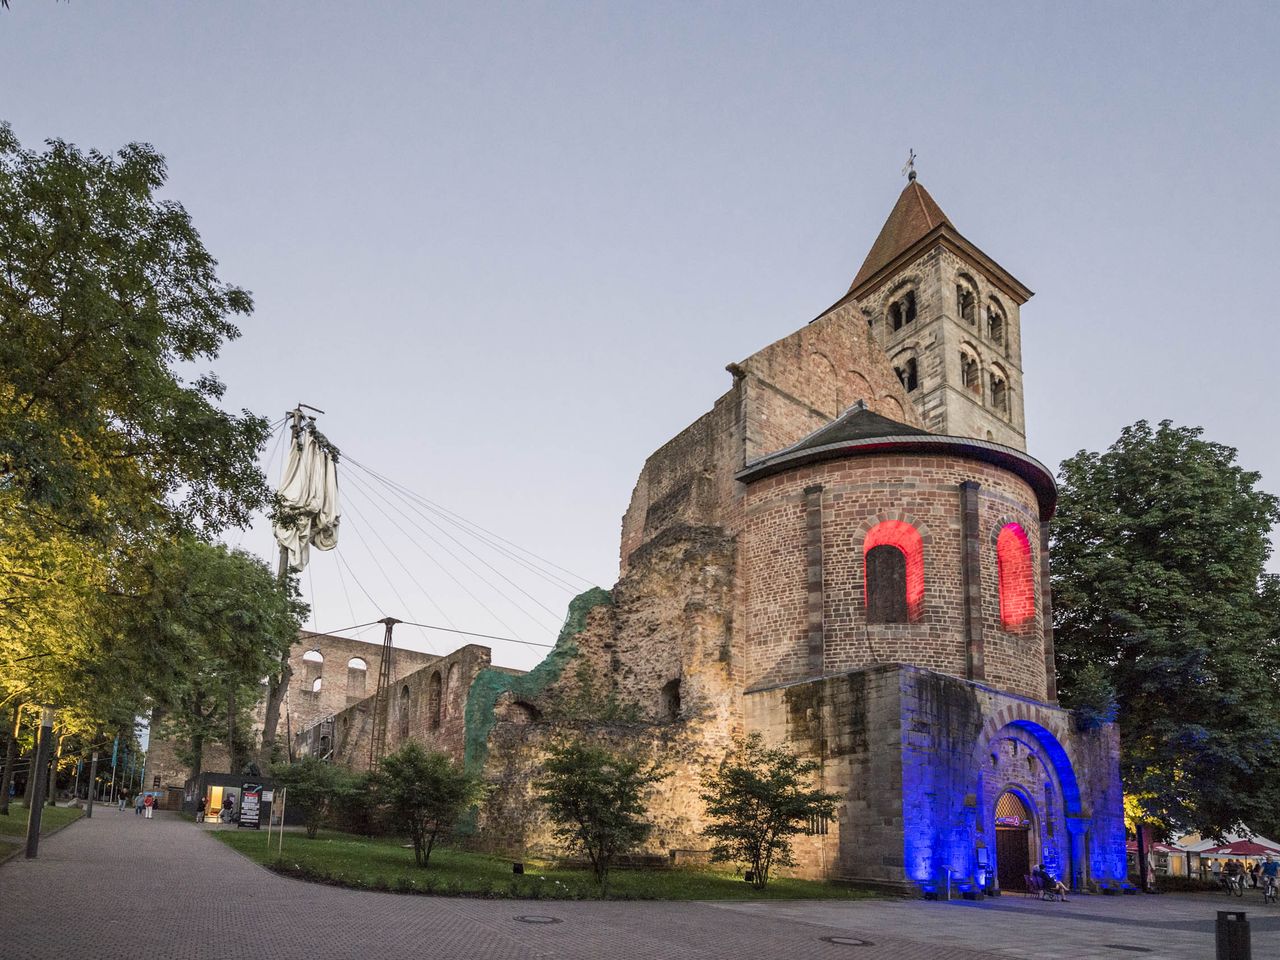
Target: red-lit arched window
{"points": [[893, 572], [1017, 583]]}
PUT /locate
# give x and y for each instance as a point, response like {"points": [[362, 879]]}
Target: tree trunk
{"points": [[276, 690], [234, 762], [10, 759], [197, 758]]}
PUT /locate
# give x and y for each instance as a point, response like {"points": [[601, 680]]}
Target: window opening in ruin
{"points": [[965, 301], [999, 394], [893, 577], [671, 700], [357, 672], [1017, 583], [995, 324], [451, 690], [433, 701], [907, 373], [969, 376], [316, 684], [404, 712], [313, 656], [817, 826], [903, 310]]}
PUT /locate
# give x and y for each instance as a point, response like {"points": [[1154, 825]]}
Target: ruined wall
{"points": [[649, 669], [921, 759], [780, 395], [857, 493], [425, 705]]}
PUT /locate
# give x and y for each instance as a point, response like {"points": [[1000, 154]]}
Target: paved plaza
{"points": [[118, 886]]}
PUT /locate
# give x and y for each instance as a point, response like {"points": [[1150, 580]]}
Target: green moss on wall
{"points": [[490, 684]]}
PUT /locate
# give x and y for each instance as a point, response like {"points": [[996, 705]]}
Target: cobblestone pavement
{"points": [[118, 886]]}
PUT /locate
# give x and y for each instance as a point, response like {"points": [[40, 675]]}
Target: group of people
{"points": [[143, 803], [1255, 873]]}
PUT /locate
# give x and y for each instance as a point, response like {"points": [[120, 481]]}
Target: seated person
{"points": [[1049, 884]]}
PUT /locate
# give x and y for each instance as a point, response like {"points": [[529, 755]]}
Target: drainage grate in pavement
{"points": [[1127, 946], [847, 941], [535, 918]]}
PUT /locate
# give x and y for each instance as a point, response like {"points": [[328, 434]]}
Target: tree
{"points": [[595, 796], [757, 800], [1159, 587], [212, 624], [316, 788], [425, 793], [105, 290]]}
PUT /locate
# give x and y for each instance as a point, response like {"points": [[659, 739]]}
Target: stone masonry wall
{"points": [[856, 494], [935, 339], [921, 759]]}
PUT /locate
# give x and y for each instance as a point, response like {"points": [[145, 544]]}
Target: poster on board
{"points": [[250, 805]]}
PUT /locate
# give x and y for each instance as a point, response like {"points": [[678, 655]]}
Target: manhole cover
{"points": [[1126, 946], [847, 941], [535, 918]]}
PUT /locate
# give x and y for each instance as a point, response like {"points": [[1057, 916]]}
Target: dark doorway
{"points": [[886, 584], [1013, 842]]}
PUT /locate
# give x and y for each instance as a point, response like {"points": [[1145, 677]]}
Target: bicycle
{"points": [[1269, 891], [1233, 885]]}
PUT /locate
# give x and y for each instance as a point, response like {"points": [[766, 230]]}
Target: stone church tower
{"points": [[848, 555], [947, 316]]}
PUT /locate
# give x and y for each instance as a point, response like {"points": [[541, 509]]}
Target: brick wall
{"points": [[856, 494]]}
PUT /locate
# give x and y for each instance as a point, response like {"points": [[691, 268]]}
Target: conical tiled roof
{"points": [[913, 216]]}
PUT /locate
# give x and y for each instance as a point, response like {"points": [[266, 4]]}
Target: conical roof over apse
{"points": [[912, 218]]}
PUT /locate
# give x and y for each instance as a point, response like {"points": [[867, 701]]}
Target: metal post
{"points": [[37, 799], [284, 795], [93, 783]]}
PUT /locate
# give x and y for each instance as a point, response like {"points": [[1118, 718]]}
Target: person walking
{"points": [[124, 799], [149, 804], [137, 805]]}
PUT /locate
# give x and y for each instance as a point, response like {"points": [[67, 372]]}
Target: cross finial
{"points": [[909, 168]]}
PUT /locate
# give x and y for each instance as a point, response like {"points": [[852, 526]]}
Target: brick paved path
{"points": [[118, 886]]}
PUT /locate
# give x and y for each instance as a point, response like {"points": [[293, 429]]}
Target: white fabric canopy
{"points": [[309, 487]]}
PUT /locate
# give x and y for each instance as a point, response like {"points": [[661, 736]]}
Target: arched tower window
{"points": [[452, 693], [1017, 583], [970, 377], [908, 372], [966, 300], [995, 322], [999, 392], [893, 572], [902, 311], [404, 712], [433, 701]]}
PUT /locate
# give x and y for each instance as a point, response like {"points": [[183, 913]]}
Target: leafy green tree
{"points": [[595, 796], [106, 290], [213, 623], [316, 788], [425, 794], [1160, 593], [757, 800]]}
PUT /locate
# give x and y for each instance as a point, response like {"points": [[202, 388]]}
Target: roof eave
{"points": [[950, 237], [1035, 473]]}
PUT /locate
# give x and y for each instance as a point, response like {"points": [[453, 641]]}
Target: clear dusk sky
{"points": [[510, 248]]}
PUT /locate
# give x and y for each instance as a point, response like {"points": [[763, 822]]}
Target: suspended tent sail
{"points": [[309, 489]]}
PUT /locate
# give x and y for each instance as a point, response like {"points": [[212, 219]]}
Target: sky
{"points": [[509, 249]]}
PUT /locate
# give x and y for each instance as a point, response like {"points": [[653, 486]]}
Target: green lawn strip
{"points": [[383, 864], [53, 818]]}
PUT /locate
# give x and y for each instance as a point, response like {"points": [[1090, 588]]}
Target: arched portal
{"points": [[1015, 833]]}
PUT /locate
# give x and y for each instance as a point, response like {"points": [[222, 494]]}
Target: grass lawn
{"points": [[15, 824], [383, 864]]}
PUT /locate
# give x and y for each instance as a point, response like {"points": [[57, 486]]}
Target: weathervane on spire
{"points": [[909, 168]]}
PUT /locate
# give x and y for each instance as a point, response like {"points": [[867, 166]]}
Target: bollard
{"points": [[1233, 936]]}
